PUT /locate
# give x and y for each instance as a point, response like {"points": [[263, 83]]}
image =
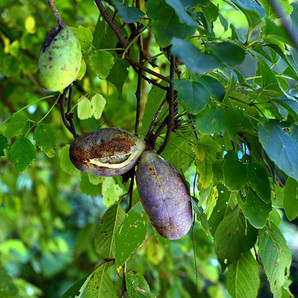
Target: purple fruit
{"points": [[106, 151], [164, 196]]}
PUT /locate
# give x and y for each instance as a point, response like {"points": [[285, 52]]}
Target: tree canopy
{"points": [[211, 86]]}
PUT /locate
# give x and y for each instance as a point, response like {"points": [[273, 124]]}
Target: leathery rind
{"points": [[106, 152], [164, 196]]}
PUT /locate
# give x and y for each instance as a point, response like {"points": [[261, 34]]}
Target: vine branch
{"points": [[170, 97], [56, 12]]}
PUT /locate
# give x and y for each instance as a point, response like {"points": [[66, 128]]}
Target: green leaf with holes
{"points": [[129, 236], [137, 285], [100, 284], [243, 280], [45, 138], [106, 230], [275, 257], [22, 152]]}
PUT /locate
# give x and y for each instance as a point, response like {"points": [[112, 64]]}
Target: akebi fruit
{"points": [[106, 151], [60, 58], [164, 196]]}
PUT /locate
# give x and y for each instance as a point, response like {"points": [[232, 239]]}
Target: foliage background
{"points": [[50, 212]]}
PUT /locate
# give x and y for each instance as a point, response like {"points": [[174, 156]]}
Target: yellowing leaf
{"points": [[98, 103], [30, 25]]}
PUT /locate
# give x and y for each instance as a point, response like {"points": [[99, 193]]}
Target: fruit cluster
{"points": [[163, 193], [112, 151]]}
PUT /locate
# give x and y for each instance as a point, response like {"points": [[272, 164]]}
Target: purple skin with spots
{"points": [[164, 196], [106, 151]]}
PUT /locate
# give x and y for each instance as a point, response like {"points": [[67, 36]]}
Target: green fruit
{"points": [[59, 59], [164, 196], [106, 151]]}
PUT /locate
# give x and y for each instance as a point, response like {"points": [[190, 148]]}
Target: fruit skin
{"points": [[164, 196], [60, 59], [106, 152]]}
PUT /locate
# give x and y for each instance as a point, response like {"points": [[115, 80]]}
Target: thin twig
{"points": [[287, 25], [107, 18], [154, 120], [56, 12], [170, 97]]}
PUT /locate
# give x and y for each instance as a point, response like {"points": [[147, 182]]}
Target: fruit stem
{"points": [[56, 12]]}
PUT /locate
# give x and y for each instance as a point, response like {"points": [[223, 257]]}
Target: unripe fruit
{"points": [[106, 151], [59, 59], [164, 196]]}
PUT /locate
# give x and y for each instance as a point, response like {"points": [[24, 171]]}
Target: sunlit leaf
{"points": [[22, 153], [84, 36], [45, 137], [101, 62], [98, 103], [18, 125], [84, 108]]}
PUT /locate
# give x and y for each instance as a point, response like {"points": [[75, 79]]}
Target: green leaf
{"points": [[233, 237], [165, 23], [275, 257], [275, 217], [204, 169], [201, 215], [7, 286], [255, 210], [179, 152], [137, 285], [220, 209], [269, 83], [101, 62], [18, 125], [243, 279], [22, 152], [84, 36], [228, 53], [214, 87], [100, 284], [195, 60], [234, 172], [193, 95], [65, 163], [128, 14], [3, 145], [98, 103], [272, 31], [290, 202], [129, 236], [280, 141], [88, 188], [270, 11], [258, 179], [252, 16], [103, 36], [182, 14], [105, 232], [110, 191], [84, 108], [118, 74], [94, 179], [45, 138], [77, 289]]}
